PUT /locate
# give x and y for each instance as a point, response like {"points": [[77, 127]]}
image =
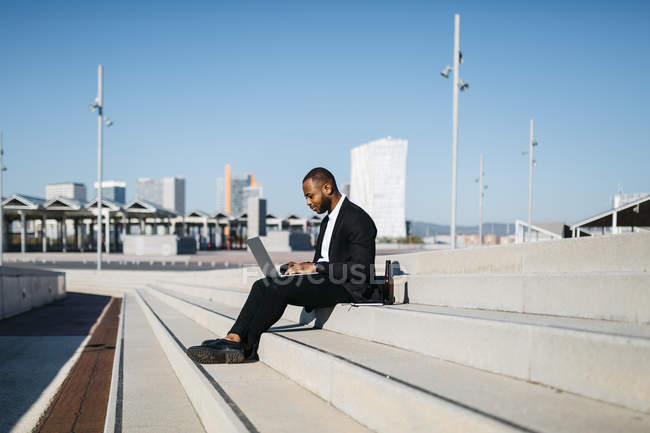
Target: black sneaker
{"points": [[219, 351]]}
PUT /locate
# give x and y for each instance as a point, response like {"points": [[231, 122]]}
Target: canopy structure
{"points": [[23, 202], [139, 207], [64, 224], [635, 214]]}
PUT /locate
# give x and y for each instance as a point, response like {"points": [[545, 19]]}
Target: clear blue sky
{"points": [[275, 88]]}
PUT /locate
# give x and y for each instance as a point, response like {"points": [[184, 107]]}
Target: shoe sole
{"points": [[204, 355]]}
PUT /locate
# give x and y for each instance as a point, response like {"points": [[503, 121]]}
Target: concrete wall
{"points": [[624, 252], [276, 241], [282, 241], [256, 211], [24, 289], [115, 282], [143, 245]]}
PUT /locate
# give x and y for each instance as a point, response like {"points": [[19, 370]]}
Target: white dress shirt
{"points": [[327, 238]]}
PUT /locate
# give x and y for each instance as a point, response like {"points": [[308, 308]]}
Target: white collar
{"points": [[332, 215]]}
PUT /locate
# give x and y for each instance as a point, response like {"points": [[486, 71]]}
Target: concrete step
{"points": [[615, 296], [147, 395], [260, 398], [235, 298], [598, 359], [619, 296], [134, 278], [625, 252], [391, 389]]}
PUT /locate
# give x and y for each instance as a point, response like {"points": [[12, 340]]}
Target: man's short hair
{"points": [[321, 176]]}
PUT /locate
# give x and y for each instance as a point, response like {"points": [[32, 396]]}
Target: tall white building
{"points": [[168, 192], [73, 190], [378, 183]]}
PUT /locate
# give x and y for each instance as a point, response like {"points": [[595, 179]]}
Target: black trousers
{"points": [[269, 298]]}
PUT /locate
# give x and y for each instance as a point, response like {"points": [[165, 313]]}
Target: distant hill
{"points": [[424, 229]]}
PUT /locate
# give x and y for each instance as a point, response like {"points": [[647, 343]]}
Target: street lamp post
{"points": [[99, 106], [531, 163], [457, 85], [481, 189], [2, 169]]}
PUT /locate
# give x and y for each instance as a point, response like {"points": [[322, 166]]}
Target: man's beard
{"points": [[325, 205]]}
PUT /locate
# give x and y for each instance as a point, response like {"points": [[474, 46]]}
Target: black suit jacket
{"points": [[351, 251]]}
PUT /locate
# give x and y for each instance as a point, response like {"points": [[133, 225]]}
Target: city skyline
{"points": [[233, 191], [259, 97]]}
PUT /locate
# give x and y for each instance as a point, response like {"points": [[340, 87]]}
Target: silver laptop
{"points": [[264, 260]]}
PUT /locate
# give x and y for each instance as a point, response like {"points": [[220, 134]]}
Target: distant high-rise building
{"points": [[113, 190], [168, 192], [251, 192], [73, 190], [234, 190], [237, 184], [378, 183]]}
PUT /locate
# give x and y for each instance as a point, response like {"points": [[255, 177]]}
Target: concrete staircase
{"points": [[559, 349]]}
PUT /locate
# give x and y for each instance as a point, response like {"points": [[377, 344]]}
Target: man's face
{"points": [[318, 196]]}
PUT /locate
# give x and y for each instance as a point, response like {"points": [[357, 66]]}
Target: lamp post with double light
{"points": [[99, 107], [2, 225], [457, 85], [482, 189], [531, 163]]}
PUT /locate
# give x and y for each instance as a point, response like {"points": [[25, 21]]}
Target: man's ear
{"points": [[327, 189]]}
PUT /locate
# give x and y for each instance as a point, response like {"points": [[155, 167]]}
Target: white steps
{"points": [[618, 253], [615, 296], [391, 389], [246, 397], [545, 337], [598, 359], [618, 296], [150, 397]]}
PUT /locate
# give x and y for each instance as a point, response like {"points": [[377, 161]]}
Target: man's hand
{"points": [[283, 268], [300, 268]]}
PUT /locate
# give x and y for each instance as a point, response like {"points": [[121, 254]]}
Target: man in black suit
{"points": [[343, 262]]}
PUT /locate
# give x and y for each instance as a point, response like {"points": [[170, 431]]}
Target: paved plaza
{"points": [[545, 337], [201, 261], [36, 346]]}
